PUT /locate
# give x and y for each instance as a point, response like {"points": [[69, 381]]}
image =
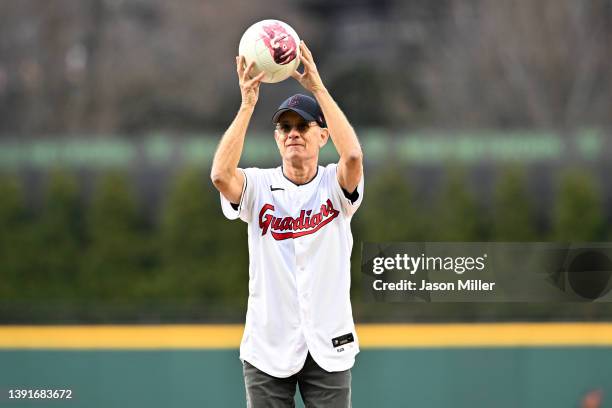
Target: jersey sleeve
{"points": [[244, 208], [350, 202]]}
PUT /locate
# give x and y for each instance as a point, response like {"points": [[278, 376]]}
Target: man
{"points": [[299, 326]]}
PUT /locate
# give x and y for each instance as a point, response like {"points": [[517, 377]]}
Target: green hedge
{"points": [[91, 254]]}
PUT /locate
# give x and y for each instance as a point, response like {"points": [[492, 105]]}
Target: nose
{"points": [[293, 133]]}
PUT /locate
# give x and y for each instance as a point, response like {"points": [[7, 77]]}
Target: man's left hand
{"points": [[310, 78]]}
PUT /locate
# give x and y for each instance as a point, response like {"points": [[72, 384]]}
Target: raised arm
{"points": [[350, 165], [224, 173]]}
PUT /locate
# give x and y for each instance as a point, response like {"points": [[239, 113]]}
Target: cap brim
{"points": [[300, 112]]}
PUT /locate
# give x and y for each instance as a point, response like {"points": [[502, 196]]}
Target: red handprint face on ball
{"points": [[280, 43]]}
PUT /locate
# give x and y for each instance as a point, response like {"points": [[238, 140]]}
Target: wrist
{"points": [[319, 90], [245, 107]]}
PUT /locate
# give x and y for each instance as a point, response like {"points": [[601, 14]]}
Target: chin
{"points": [[295, 156], [292, 156]]}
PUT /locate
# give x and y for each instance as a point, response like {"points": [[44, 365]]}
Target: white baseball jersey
{"points": [[300, 245]]}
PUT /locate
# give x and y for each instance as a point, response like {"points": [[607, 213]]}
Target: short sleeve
{"points": [[244, 208], [349, 206]]}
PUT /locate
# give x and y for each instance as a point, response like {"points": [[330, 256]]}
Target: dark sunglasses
{"points": [[301, 127]]}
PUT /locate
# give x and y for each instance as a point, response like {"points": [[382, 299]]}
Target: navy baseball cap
{"points": [[305, 106]]}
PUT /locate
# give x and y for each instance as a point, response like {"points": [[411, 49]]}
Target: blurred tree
{"points": [[134, 66], [364, 104], [456, 215], [119, 259], [578, 214], [13, 227], [522, 63], [388, 195], [56, 258], [513, 217], [204, 255]]}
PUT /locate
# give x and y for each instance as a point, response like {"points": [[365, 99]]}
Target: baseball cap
{"points": [[305, 106]]}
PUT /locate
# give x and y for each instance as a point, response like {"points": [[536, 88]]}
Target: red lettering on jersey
{"points": [[288, 227], [264, 222]]}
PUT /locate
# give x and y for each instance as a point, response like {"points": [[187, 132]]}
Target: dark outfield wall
{"points": [[457, 377]]}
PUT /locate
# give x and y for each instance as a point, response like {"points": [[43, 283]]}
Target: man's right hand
{"points": [[249, 86]]}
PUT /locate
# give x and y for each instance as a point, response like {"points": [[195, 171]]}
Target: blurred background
{"points": [[480, 120]]}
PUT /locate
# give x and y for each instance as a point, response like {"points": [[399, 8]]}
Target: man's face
{"points": [[297, 139]]}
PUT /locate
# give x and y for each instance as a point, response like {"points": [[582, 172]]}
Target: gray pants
{"points": [[318, 388]]}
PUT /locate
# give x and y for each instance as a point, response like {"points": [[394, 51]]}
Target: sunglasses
{"points": [[301, 127]]}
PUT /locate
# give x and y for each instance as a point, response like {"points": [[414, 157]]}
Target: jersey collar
{"points": [[291, 185]]}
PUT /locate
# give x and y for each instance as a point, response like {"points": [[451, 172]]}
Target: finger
{"points": [[255, 82], [241, 66], [307, 64], [238, 65], [259, 77], [302, 50], [305, 49], [248, 70], [296, 75]]}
